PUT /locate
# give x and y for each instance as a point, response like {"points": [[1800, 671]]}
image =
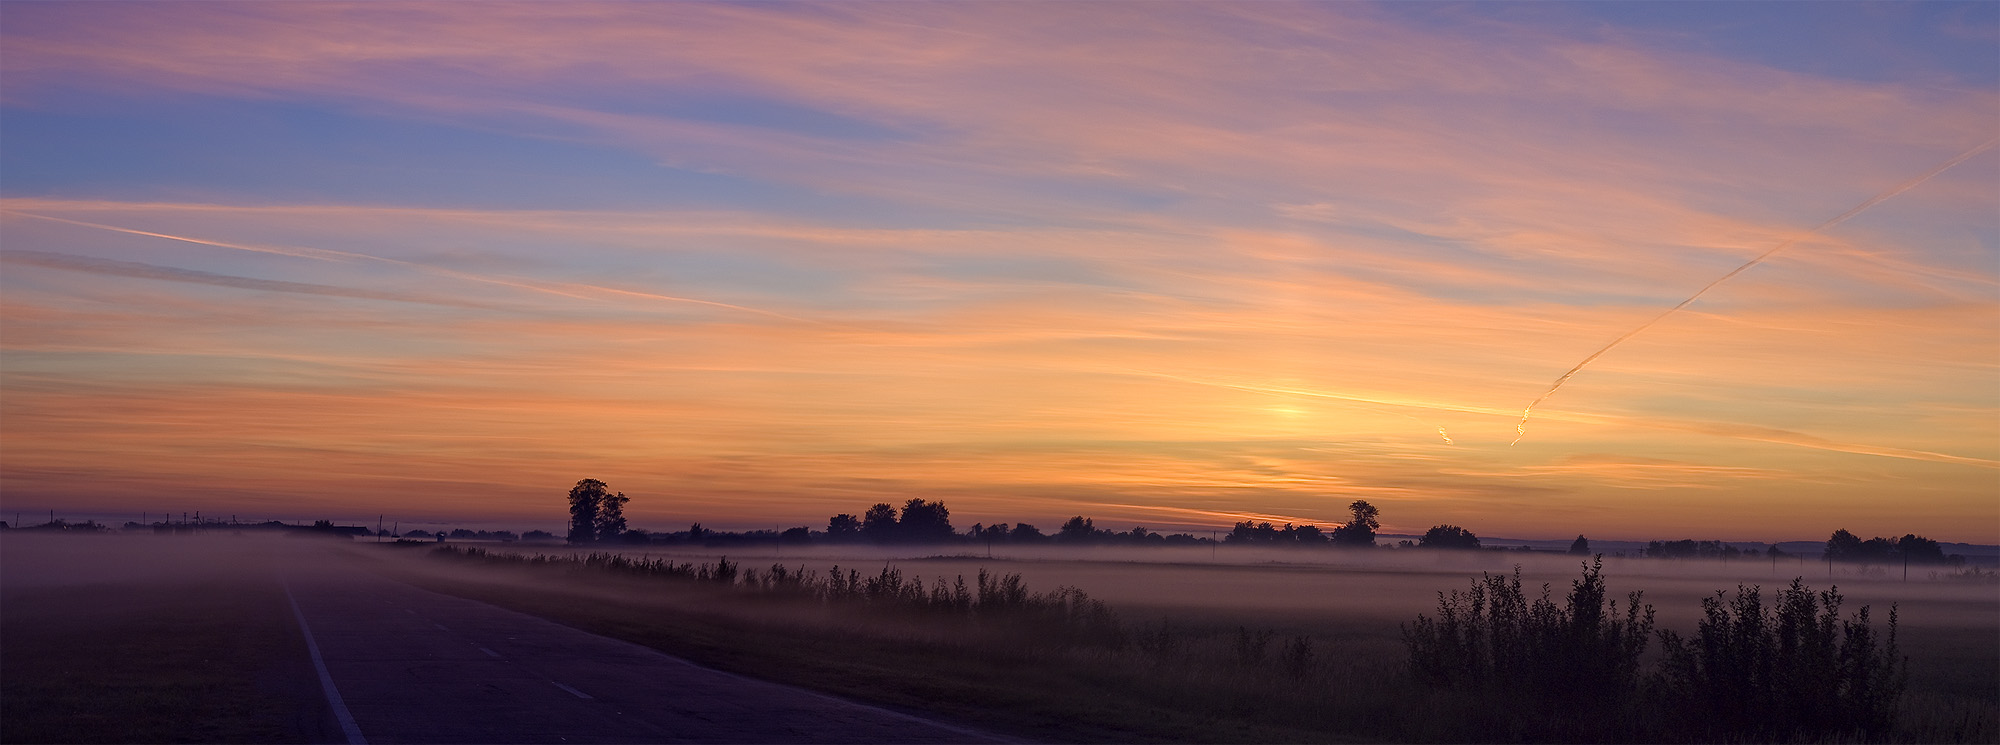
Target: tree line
{"points": [[597, 516]]}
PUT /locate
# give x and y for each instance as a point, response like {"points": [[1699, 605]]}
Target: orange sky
{"points": [[1166, 265]]}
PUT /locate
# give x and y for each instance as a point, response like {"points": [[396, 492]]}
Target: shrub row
{"points": [[1065, 614], [1792, 670]]}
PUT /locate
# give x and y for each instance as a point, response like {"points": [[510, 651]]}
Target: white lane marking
{"points": [[572, 691], [489, 651], [347, 725]]}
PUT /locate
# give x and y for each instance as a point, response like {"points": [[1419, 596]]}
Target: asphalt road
{"points": [[414, 666]]}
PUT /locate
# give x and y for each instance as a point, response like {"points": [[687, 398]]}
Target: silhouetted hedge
{"points": [[1492, 637], [1065, 614], [1794, 669], [1791, 671]]}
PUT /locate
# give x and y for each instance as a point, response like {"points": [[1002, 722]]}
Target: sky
{"points": [[1162, 264]]}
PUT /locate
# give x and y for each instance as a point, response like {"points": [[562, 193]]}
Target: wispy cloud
{"points": [[1194, 262], [139, 270]]}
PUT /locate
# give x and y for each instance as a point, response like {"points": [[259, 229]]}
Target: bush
{"points": [[1794, 669], [1066, 614], [1492, 638]]}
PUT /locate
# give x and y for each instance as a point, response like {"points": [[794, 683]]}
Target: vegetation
{"points": [[1579, 659], [1789, 670], [595, 514], [1792, 671], [1360, 530], [1064, 613], [1911, 548], [1496, 663], [1451, 537]]}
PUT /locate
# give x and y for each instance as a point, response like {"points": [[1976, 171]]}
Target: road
{"points": [[414, 666]]}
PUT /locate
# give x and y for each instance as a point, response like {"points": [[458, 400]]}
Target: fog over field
{"points": [[1223, 584], [1352, 604], [1950, 629]]}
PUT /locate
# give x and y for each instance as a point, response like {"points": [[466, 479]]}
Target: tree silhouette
{"points": [[1077, 530], [842, 528], [1917, 549], [1360, 530], [1449, 536], [595, 513], [1843, 546], [611, 516], [584, 499], [926, 522], [1581, 547], [878, 524]]}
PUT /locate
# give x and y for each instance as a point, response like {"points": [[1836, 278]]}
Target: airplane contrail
{"points": [[563, 289], [1521, 429]]}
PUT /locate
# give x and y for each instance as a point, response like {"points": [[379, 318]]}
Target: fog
{"points": [[34, 560], [1950, 629], [1392, 583]]}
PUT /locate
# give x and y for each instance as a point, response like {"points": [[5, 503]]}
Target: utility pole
{"points": [[378, 528]]}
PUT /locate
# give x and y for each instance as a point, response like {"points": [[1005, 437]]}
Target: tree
{"points": [[584, 499], [1360, 530], [878, 524], [842, 528], [926, 522], [611, 516], [1843, 546], [1027, 533], [1581, 547], [1244, 532], [1309, 535], [1917, 549], [1078, 529], [1449, 536]]}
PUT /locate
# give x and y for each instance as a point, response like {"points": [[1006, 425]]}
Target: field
{"points": [[1330, 663], [132, 639], [124, 638]]}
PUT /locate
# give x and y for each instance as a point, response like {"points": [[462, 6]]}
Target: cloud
{"points": [[136, 270], [1204, 261]]}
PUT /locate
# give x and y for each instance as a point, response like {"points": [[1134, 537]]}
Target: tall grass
{"points": [[1792, 671], [1493, 664], [1066, 614]]}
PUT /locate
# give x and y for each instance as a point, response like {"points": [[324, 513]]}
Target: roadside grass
{"points": [[1177, 678], [195, 662], [1194, 687]]}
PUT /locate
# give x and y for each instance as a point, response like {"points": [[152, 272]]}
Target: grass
{"points": [[1191, 686], [1181, 678], [198, 662]]}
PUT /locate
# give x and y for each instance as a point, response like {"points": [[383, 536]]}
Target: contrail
{"points": [[563, 289], [1521, 429], [67, 262]]}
